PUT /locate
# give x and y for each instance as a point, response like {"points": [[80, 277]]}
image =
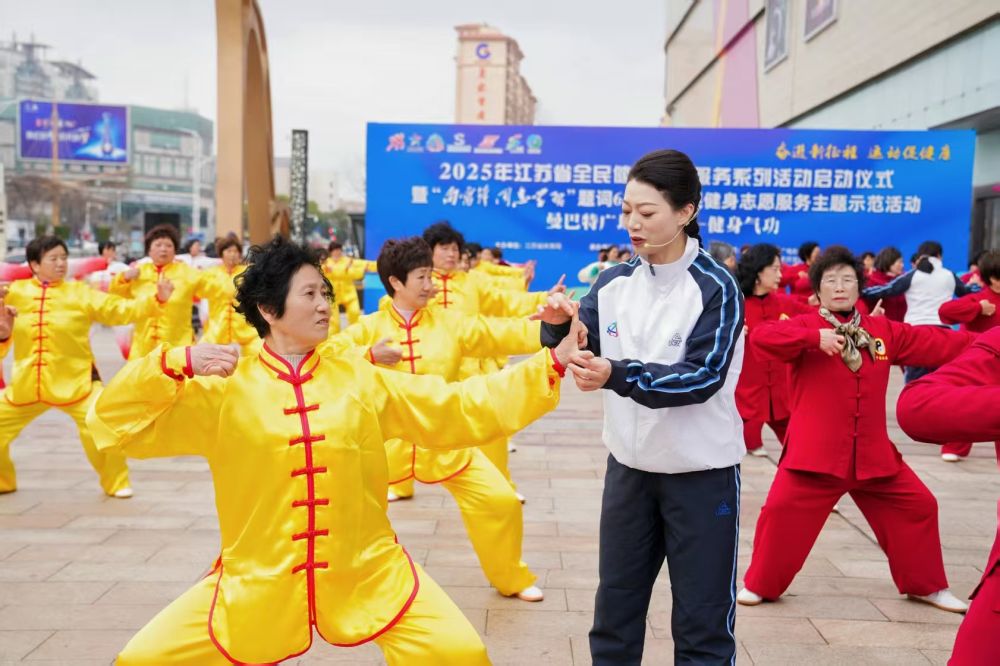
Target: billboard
{"points": [[87, 132], [554, 193]]}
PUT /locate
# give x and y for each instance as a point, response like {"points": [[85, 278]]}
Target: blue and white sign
{"points": [[87, 132], [554, 193]]}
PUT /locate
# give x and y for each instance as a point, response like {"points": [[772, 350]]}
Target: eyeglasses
{"points": [[839, 282]]}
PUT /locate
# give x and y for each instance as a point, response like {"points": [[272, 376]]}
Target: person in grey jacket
{"points": [[665, 339]]}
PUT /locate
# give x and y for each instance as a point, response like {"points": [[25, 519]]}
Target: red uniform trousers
{"points": [[978, 640], [962, 449], [900, 509], [752, 432]]}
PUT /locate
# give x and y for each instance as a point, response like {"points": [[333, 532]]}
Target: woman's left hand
{"points": [[590, 372]]}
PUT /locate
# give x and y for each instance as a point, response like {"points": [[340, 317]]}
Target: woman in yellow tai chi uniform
{"points": [[172, 324], [53, 362], [433, 341], [295, 442], [225, 325]]}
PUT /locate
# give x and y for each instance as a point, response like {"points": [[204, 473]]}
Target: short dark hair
{"points": [[866, 254], [163, 231], [473, 248], [190, 244], [989, 266], [886, 257], [495, 251], [334, 245], [226, 242], [398, 257], [931, 249], [833, 256], [806, 250], [104, 245], [753, 260], [265, 282], [40, 246], [442, 233]]}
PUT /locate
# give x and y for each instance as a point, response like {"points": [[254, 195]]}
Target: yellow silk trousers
{"points": [[109, 464], [494, 521], [432, 632]]}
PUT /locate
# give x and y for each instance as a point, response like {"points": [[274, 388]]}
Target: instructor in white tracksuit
{"points": [[665, 341]]}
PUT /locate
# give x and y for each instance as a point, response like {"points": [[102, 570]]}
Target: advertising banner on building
{"points": [[555, 193], [87, 132]]}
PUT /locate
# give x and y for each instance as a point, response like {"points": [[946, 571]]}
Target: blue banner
{"points": [[87, 132], [554, 193]]}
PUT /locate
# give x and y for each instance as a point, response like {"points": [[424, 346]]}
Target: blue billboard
{"points": [[87, 132], [554, 193]]}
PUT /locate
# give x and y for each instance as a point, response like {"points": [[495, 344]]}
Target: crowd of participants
{"points": [[312, 422]]}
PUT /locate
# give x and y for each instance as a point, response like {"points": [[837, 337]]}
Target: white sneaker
{"points": [[533, 593], [511, 447], [950, 457], [759, 452], [944, 600], [124, 493], [393, 497], [520, 498], [748, 598]]}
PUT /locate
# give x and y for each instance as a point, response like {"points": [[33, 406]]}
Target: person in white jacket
{"points": [[665, 339]]}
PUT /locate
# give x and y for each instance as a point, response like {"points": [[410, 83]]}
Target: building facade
{"points": [[169, 175], [490, 89], [844, 64]]}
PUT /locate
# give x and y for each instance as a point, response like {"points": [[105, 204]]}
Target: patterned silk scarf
{"points": [[855, 337]]}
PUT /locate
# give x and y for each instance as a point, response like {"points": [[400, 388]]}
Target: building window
{"points": [[149, 165], [166, 167], [181, 168]]}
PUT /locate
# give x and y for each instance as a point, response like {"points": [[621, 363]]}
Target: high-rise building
{"points": [[893, 64], [490, 89], [24, 72]]}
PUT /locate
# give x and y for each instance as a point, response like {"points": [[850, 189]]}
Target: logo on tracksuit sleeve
{"points": [[612, 329]]}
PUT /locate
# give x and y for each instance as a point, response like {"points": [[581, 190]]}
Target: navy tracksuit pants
{"points": [[691, 519]]}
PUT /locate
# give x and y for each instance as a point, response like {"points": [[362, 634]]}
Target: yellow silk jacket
{"points": [[298, 462], [505, 277], [434, 342], [172, 325], [51, 338], [225, 325], [343, 274]]}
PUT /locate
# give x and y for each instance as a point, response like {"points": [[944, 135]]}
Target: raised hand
{"points": [[830, 342], [558, 309], [570, 344], [878, 310], [164, 288], [384, 354], [558, 287], [214, 360], [988, 309], [131, 273], [7, 315]]}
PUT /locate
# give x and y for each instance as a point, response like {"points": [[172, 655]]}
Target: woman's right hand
{"points": [[384, 354], [830, 342], [559, 308]]}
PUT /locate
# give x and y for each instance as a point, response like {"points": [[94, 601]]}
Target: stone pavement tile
{"points": [[790, 630], [74, 646], [463, 576], [769, 654], [904, 610], [545, 528], [14, 645], [515, 625], [453, 558], [887, 634], [582, 561], [139, 594], [19, 502], [843, 586], [78, 536], [582, 528], [937, 657], [95, 553], [105, 571], [75, 616], [474, 598], [29, 520], [552, 651], [132, 522], [46, 593], [203, 554], [9, 549], [31, 570], [580, 600], [141, 537], [841, 607], [108, 507], [571, 578], [322, 652], [575, 544]]}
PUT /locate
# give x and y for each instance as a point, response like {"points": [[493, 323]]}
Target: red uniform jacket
{"points": [[958, 403], [839, 415], [969, 313], [801, 288], [894, 306], [762, 390]]}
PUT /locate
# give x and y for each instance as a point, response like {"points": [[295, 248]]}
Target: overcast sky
{"points": [[337, 64]]}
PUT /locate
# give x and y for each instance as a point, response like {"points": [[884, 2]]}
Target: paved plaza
{"points": [[80, 572]]}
